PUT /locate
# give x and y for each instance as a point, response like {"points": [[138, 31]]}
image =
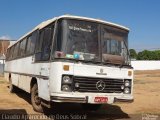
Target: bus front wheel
{"points": [[35, 100]]}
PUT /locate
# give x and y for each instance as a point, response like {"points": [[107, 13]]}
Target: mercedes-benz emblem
{"points": [[100, 85], [101, 70]]}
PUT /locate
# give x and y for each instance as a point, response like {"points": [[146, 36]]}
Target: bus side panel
{"points": [[14, 78], [43, 89], [55, 77], [56, 71], [24, 83], [6, 76]]}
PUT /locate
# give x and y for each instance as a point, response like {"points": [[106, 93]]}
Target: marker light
{"points": [[66, 67], [77, 85], [76, 56], [122, 87], [129, 73], [59, 54]]}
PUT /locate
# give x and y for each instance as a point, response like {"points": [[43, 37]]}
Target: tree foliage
{"points": [[149, 55], [145, 55], [133, 54]]}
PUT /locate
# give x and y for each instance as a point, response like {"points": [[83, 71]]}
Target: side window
{"points": [[8, 54], [43, 44], [18, 45], [39, 42], [28, 45], [46, 47], [31, 42], [15, 53], [12, 51], [22, 47], [38, 55]]}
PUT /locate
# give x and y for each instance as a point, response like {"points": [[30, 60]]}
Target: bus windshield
{"points": [[91, 41], [114, 45]]}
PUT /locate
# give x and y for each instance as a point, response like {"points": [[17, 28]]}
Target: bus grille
{"points": [[108, 85]]}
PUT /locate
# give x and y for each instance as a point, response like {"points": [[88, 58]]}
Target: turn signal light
{"points": [[129, 73], [66, 67]]}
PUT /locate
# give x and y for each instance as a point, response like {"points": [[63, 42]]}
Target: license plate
{"points": [[100, 99]]}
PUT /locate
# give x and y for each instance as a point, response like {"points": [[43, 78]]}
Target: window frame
{"points": [[39, 51], [33, 39], [21, 55], [16, 50], [12, 51], [116, 31], [8, 54]]}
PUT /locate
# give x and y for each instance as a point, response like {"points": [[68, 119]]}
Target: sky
{"points": [[18, 17]]}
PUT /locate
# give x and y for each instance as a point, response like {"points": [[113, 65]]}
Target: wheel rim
{"points": [[36, 98]]}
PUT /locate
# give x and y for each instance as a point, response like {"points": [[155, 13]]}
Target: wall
{"points": [[145, 65], [3, 49]]}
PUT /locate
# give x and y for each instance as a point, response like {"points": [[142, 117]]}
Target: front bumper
{"points": [[69, 99], [90, 99], [123, 100]]}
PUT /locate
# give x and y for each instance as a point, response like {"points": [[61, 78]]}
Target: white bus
{"points": [[72, 59]]}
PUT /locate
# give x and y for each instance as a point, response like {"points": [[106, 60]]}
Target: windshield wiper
{"points": [[110, 63], [89, 61], [84, 61]]}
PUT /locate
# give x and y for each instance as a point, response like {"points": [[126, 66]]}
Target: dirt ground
{"points": [[146, 103]]}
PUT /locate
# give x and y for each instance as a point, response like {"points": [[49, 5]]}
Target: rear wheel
{"points": [[91, 107], [35, 100]]}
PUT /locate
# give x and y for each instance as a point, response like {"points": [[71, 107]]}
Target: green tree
{"points": [[149, 55], [133, 53]]}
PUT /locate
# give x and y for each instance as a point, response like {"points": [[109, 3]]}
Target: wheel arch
{"points": [[33, 81], [9, 77]]}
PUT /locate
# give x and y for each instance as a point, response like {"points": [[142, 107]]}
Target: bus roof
{"points": [[45, 23]]}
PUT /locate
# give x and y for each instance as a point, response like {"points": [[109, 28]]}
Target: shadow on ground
{"points": [[13, 114], [74, 111]]}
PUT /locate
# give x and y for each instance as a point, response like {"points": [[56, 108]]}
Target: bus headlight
{"points": [[127, 86], [126, 90], [66, 79], [127, 83], [66, 88]]}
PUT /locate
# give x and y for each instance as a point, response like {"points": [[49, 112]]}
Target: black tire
{"points": [[35, 100], [91, 107], [12, 88]]}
